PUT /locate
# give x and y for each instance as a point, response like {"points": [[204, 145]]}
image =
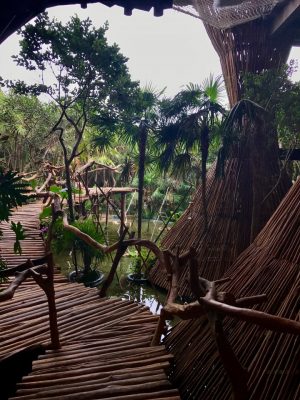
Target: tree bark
{"points": [[69, 190], [141, 174]]}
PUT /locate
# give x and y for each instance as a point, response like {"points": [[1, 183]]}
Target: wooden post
{"points": [[50, 293], [123, 212], [107, 209]]}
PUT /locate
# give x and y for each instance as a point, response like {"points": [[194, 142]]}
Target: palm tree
{"points": [[134, 128], [148, 104], [188, 123]]}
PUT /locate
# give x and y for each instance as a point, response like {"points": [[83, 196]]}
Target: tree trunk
{"points": [[87, 261], [204, 139], [141, 174], [69, 190]]}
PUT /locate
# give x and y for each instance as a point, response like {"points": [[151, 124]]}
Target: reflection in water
{"points": [[144, 294], [121, 287]]}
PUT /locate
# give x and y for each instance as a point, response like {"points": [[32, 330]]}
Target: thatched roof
{"points": [[224, 14], [252, 185], [280, 17], [270, 265], [231, 201]]}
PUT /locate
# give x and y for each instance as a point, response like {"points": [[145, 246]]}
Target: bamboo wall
{"points": [[247, 48], [253, 179], [232, 202], [270, 265]]}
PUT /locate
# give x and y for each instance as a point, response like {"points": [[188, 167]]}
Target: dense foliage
{"points": [[94, 110], [279, 96]]}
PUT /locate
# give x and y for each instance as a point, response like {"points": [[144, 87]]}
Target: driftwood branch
{"points": [[108, 249], [119, 254], [30, 178], [8, 293], [207, 295], [45, 184], [29, 270], [101, 167], [215, 305]]}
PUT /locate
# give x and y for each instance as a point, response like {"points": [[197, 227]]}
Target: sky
{"points": [[169, 51]]}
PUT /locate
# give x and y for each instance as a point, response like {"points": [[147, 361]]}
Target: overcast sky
{"points": [[169, 51]]}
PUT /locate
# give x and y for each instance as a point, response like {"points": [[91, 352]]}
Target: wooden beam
{"points": [[286, 16], [123, 212]]}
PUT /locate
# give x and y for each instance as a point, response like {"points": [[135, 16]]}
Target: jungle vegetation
{"points": [[86, 106]]}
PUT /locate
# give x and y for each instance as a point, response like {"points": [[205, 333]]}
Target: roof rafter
{"points": [[287, 16]]}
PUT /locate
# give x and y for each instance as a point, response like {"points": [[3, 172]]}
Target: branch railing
{"points": [[214, 305], [42, 271], [210, 303]]}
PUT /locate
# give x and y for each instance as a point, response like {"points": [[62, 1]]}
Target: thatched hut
{"points": [[271, 265], [241, 202]]}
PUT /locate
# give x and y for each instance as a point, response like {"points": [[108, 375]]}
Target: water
{"points": [[121, 287]]}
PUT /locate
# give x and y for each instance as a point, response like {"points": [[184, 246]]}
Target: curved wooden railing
{"points": [[42, 271]]}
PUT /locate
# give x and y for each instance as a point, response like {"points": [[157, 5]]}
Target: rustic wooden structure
{"points": [[103, 350], [33, 245], [270, 361], [15, 13], [239, 204], [230, 211], [281, 16], [105, 194]]}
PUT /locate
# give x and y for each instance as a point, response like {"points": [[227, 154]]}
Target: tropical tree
{"points": [[134, 128], [189, 122], [280, 96], [89, 77], [24, 125]]}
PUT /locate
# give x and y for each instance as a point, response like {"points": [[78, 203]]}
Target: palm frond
{"points": [[168, 134], [182, 164], [103, 141], [166, 158], [213, 88], [12, 193], [233, 127]]}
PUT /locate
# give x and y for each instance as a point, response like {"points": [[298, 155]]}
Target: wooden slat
{"points": [[105, 343]]}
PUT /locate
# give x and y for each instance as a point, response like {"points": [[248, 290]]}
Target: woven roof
{"points": [[238, 206], [226, 17], [271, 266]]}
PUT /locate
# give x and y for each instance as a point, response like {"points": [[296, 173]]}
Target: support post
{"points": [[50, 293], [123, 212], [107, 210]]}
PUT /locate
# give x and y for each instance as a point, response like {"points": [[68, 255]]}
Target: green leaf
{"points": [[3, 267], [55, 189], [20, 235], [46, 213], [33, 184], [12, 193]]}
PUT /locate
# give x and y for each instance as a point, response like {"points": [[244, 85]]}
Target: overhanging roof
{"points": [[287, 21], [15, 13]]}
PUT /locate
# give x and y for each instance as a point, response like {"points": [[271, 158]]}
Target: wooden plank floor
{"points": [[33, 245], [105, 352]]}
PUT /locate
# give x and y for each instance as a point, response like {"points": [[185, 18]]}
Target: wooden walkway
{"points": [[33, 245], [105, 343]]}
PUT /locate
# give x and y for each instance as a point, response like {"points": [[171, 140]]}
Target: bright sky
{"points": [[169, 51]]}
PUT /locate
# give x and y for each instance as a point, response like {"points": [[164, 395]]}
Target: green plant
{"points": [[141, 260], [20, 235], [66, 241], [12, 193], [3, 267]]}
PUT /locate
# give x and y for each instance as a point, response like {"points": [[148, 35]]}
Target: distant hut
{"points": [[240, 203], [271, 265]]}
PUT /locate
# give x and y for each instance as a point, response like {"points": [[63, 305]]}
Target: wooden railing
{"points": [[42, 271], [214, 305]]}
